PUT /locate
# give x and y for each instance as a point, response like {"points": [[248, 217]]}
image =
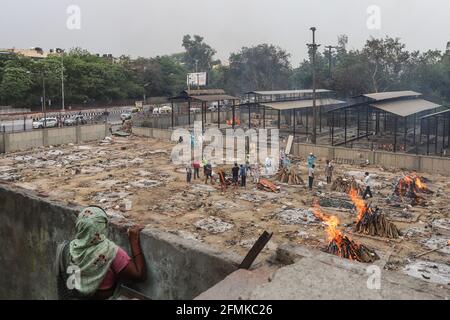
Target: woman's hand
{"points": [[133, 232]]}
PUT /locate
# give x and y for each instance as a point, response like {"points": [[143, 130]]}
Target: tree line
{"points": [[381, 65]]}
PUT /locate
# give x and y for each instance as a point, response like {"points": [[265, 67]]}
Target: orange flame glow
{"points": [[332, 223], [359, 203]]}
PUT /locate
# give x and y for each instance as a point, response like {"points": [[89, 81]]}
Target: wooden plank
{"points": [[289, 145], [255, 250]]}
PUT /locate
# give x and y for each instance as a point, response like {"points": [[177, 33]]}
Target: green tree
{"points": [[262, 67], [198, 54]]}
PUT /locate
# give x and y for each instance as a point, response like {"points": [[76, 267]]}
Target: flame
{"points": [[332, 223], [359, 203], [419, 184], [237, 121]]}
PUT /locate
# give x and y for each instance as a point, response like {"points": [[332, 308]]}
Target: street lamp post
{"points": [[61, 51]]}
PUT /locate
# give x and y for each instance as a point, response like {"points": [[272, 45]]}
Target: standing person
{"points": [[208, 173], [188, 173], [196, 166], [256, 173], [243, 174], [311, 176], [235, 172], [329, 171], [311, 159], [367, 183]]}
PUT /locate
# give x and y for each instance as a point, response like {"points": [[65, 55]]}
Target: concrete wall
{"points": [[31, 228], [383, 158], [11, 142]]}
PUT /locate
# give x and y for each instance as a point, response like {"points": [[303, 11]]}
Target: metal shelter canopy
{"points": [[380, 96], [286, 92], [299, 104], [440, 113], [209, 98], [404, 108]]}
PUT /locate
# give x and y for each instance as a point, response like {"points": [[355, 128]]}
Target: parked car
{"points": [[49, 122], [125, 116], [162, 110], [75, 120]]}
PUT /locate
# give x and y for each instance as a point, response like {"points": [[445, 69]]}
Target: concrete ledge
{"points": [[316, 275]]}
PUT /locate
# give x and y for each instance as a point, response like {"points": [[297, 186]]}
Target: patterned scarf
{"points": [[91, 251]]}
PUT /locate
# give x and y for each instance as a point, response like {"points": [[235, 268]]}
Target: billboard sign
{"points": [[197, 79]]}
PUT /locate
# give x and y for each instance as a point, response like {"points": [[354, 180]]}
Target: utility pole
{"points": [[62, 80], [43, 100], [314, 47], [196, 71]]}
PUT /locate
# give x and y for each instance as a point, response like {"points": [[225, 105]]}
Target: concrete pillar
{"points": [[6, 143], [78, 134], [44, 137]]}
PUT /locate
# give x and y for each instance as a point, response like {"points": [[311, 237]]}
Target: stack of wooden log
{"points": [[344, 185], [344, 247], [374, 223], [290, 176]]}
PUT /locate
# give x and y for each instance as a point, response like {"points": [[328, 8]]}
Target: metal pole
{"points": [[406, 133], [294, 121], [332, 128], [218, 114], [189, 112], [43, 98], [264, 117], [443, 134], [171, 101], [436, 122], [314, 48], [62, 81], [395, 133], [415, 121], [249, 116], [279, 119], [345, 127], [234, 114], [203, 116], [428, 135], [358, 123]]}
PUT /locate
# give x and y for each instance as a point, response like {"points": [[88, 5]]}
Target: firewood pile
{"points": [[344, 247], [290, 176], [344, 185], [374, 223]]}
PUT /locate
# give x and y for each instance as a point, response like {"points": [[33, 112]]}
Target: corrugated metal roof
{"points": [[209, 98], [300, 104], [281, 92], [405, 108], [391, 95], [202, 92], [440, 113]]}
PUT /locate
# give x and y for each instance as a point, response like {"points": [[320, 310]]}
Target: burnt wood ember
{"points": [[374, 223], [344, 247]]}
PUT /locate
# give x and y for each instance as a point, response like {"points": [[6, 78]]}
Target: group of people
{"points": [[367, 180], [239, 173]]}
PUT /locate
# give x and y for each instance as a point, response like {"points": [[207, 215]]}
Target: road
{"points": [[21, 123]]}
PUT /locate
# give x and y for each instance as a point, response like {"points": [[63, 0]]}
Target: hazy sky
{"points": [[156, 27]]}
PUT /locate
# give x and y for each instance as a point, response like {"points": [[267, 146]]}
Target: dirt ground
{"points": [[133, 179]]}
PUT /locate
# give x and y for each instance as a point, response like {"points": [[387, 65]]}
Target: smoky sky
{"points": [[156, 27]]}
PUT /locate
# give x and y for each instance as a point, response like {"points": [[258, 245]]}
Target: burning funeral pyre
{"points": [[371, 221], [340, 244], [410, 186]]}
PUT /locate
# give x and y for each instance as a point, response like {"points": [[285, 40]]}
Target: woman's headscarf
{"points": [[91, 251]]}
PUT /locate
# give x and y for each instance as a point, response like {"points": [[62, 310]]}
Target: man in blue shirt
{"points": [[311, 159], [243, 174]]}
